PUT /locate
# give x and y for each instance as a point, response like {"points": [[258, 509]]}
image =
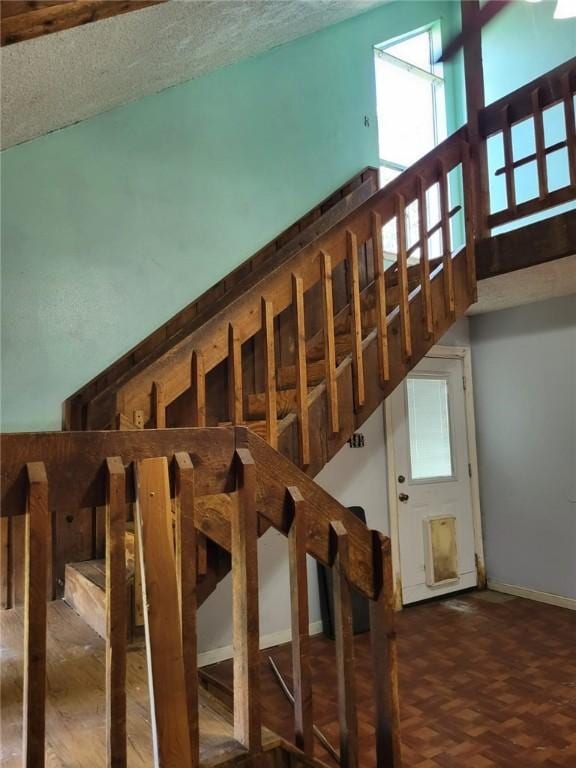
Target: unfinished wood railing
{"points": [[345, 269], [176, 479]]}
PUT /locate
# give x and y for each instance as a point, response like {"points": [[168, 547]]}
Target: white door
{"points": [[433, 487]]}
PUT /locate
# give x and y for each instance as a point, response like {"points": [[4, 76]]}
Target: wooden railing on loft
{"points": [[190, 471], [549, 96]]}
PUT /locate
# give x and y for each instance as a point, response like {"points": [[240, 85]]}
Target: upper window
{"points": [[410, 100]]}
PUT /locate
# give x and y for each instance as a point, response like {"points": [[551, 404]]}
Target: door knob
{"points": [[403, 497]]}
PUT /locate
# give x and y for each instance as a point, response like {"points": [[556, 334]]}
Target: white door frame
{"points": [[464, 354]]}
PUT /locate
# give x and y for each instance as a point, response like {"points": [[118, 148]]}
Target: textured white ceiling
{"points": [[59, 79], [544, 281]]}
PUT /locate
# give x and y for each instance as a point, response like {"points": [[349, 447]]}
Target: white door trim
{"points": [[464, 354]]}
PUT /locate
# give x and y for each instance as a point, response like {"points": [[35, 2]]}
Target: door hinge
{"points": [[464, 383], [469, 470]]}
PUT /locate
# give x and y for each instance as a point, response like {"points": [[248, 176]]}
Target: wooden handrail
{"points": [[169, 578], [310, 226], [211, 341]]}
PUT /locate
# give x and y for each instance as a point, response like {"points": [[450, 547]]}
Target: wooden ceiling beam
{"points": [[26, 20]]}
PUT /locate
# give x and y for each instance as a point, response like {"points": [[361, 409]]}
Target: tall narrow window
{"points": [[411, 121], [410, 101]]}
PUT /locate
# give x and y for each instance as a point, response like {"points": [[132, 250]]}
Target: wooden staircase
{"points": [[211, 430]]}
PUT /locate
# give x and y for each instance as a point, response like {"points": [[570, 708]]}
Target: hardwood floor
{"points": [[486, 681]]}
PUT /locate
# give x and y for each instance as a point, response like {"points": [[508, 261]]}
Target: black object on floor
{"points": [[360, 614]]}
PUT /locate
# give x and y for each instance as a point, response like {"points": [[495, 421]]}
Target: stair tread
{"points": [[82, 730]]}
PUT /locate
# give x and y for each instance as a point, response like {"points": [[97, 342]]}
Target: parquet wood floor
{"points": [[483, 684]]}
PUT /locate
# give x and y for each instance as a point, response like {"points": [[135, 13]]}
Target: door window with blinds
{"points": [[429, 430]]}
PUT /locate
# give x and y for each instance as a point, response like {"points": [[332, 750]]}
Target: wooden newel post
{"points": [[245, 611], [303, 718], [475, 102], [37, 543], [385, 658], [344, 635], [116, 612]]}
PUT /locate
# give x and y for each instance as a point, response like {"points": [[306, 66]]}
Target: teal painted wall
{"points": [[110, 226]]}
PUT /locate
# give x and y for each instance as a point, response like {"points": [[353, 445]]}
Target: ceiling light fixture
{"points": [[565, 9]]}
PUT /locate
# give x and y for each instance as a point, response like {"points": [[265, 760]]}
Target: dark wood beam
{"points": [[548, 240], [35, 18]]}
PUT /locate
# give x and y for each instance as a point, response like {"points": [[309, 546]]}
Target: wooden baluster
{"points": [[380, 289], [166, 674], [270, 373], [158, 405], [303, 718], [4, 563], [329, 341], [245, 614], [344, 636], [235, 376], [470, 223], [187, 572], [570, 126], [116, 613], [385, 658], [404, 303], [508, 158], [36, 554], [449, 296], [424, 256], [540, 144], [301, 369], [356, 319], [198, 385]]}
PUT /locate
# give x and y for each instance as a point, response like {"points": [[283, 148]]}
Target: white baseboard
{"points": [[266, 641], [533, 594]]}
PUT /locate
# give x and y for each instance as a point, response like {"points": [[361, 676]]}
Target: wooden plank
{"points": [[536, 205], [301, 674], [385, 659], [508, 159], [4, 563], [540, 145], [269, 373], [198, 385], [116, 614], [301, 370], [187, 572], [449, 295], [570, 123], [380, 291], [166, 674], [547, 240], [356, 319], [45, 18], [158, 405], [404, 304], [86, 452], [470, 223], [472, 15], [344, 637], [329, 340], [424, 257], [36, 554], [245, 613], [234, 376]]}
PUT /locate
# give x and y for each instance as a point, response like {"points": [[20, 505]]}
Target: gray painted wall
{"points": [[525, 397]]}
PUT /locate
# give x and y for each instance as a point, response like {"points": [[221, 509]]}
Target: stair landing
{"points": [[75, 711]]}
